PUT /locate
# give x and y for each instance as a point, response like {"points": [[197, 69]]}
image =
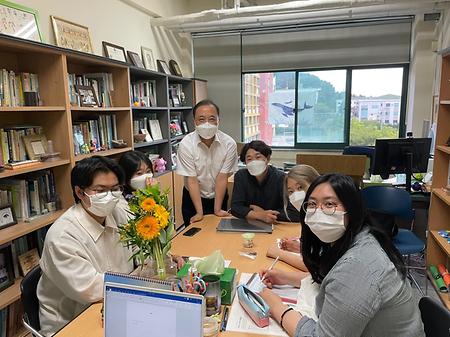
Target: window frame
{"points": [[347, 109]]}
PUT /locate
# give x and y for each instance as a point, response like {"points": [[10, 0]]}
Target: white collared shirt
{"points": [[195, 159], [77, 251]]}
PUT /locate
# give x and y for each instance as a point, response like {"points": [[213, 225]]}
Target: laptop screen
{"points": [[137, 312]]}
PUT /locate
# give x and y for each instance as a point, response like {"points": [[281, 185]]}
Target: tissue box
{"points": [[227, 282]]}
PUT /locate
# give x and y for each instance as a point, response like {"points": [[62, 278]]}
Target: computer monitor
{"points": [[133, 311], [401, 155]]}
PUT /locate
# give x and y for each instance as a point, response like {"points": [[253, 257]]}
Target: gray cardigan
{"points": [[363, 295]]}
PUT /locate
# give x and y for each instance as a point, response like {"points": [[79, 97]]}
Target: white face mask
{"points": [[140, 182], [206, 130], [256, 167], [102, 204], [297, 198], [328, 228]]}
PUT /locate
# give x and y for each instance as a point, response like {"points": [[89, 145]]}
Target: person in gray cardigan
{"points": [[362, 277]]}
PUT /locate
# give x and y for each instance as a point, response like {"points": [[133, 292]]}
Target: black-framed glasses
{"points": [[329, 208]]}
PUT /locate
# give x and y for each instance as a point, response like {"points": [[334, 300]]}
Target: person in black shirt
{"points": [[258, 189]]}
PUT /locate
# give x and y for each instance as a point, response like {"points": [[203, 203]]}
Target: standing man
{"points": [[206, 158], [83, 244]]}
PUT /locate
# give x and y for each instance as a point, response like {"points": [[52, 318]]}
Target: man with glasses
{"points": [[82, 244], [206, 158]]}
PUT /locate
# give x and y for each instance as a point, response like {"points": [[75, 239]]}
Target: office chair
{"points": [[30, 302], [397, 202], [435, 317]]}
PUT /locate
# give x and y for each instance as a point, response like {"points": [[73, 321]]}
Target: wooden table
{"points": [[89, 324]]}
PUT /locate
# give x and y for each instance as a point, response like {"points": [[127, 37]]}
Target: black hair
{"points": [[320, 257], [131, 162], [257, 145], [203, 103], [84, 172]]}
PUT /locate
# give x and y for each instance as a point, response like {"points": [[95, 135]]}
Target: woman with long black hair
{"points": [[362, 277]]}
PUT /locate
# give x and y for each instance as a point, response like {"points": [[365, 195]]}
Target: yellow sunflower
{"points": [[148, 228], [147, 204], [162, 215]]}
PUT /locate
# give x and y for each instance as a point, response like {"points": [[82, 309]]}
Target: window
{"points": [[320, 109]]}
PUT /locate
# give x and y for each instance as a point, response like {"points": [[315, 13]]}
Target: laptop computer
{"points": [[134, 311], [242, 225]]}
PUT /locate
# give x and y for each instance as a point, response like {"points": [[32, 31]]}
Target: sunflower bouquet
{"points": [[150, 229]]}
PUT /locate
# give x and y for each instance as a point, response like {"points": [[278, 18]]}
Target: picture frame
{"points": [[35, 146], [28, 260], [88, 98], [163, 67], [135, 59], [148, 138], [148, 59], [19, 21], [175, 68], [7, 216], [71, 35], [6, 266], [114, 52]]}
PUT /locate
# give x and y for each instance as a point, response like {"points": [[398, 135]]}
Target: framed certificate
{"points": [[19, 21]]}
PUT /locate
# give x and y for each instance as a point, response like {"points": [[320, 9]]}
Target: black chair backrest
{"points": [[29, 297], [435, 317]]}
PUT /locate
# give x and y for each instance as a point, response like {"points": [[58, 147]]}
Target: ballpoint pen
{"points": [[223, 326], [270, 268]]}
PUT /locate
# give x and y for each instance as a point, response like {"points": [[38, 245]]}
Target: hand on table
{"points": [[268, 216], [291, 244], [196, 218], [273, 277], [221, 213], [273, 250]]}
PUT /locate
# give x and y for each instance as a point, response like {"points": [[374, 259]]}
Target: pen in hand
{"points": [[270, 268]]}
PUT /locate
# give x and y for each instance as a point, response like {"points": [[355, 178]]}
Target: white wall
{"points": [[120, 23]]}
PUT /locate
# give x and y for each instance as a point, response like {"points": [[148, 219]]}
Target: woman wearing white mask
{"points": [[296, 184], [258, 189], [362, 277], [138, 171], [82, 244]]}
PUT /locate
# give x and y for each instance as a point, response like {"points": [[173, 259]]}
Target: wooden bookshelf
{"points": [[100, 110], [32, 108], [10, 294], [106, 153], [33, 167], [23, 228], [438, 250]]}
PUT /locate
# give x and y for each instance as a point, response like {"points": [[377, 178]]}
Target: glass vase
{"points": [[159, 260]]}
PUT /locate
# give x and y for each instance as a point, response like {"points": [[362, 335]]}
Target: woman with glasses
{"points": [[138, 171], [363, 287], [82, 244]]}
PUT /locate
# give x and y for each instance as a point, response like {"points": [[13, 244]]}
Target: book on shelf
{"points": [[12, 145], [102, 83], [176, 95], [11, 320], [31, 196], [143, 93], [18, 89], [95, 134], [155, 129]]}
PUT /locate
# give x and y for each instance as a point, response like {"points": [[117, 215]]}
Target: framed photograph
{"points": [[87, 95], [114, 52], [7, 216], [147, 57], [175, 68], [71, 35], [148, 138], [163, 67], [35, 146], [6, 267], [28, 261], [19, 21], [135, 59]]}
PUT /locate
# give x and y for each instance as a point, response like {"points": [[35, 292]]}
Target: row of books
{"points": [[143, 93], [176, 95], [12, 144], [95, 134], [101, 83], [11, 320], [18, 89], [31, 196], [144, 124]]}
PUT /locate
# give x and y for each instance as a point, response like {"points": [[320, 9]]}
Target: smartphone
{"points": [[191, 231]]}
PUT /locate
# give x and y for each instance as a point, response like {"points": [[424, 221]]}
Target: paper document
{"points": [[239, 320]]}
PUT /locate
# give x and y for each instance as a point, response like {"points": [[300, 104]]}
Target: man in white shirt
{"points": [[206, 158], [83, 244]]}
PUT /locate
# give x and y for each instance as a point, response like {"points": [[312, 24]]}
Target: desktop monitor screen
{"points": [[132, 311], [391, 155]]}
